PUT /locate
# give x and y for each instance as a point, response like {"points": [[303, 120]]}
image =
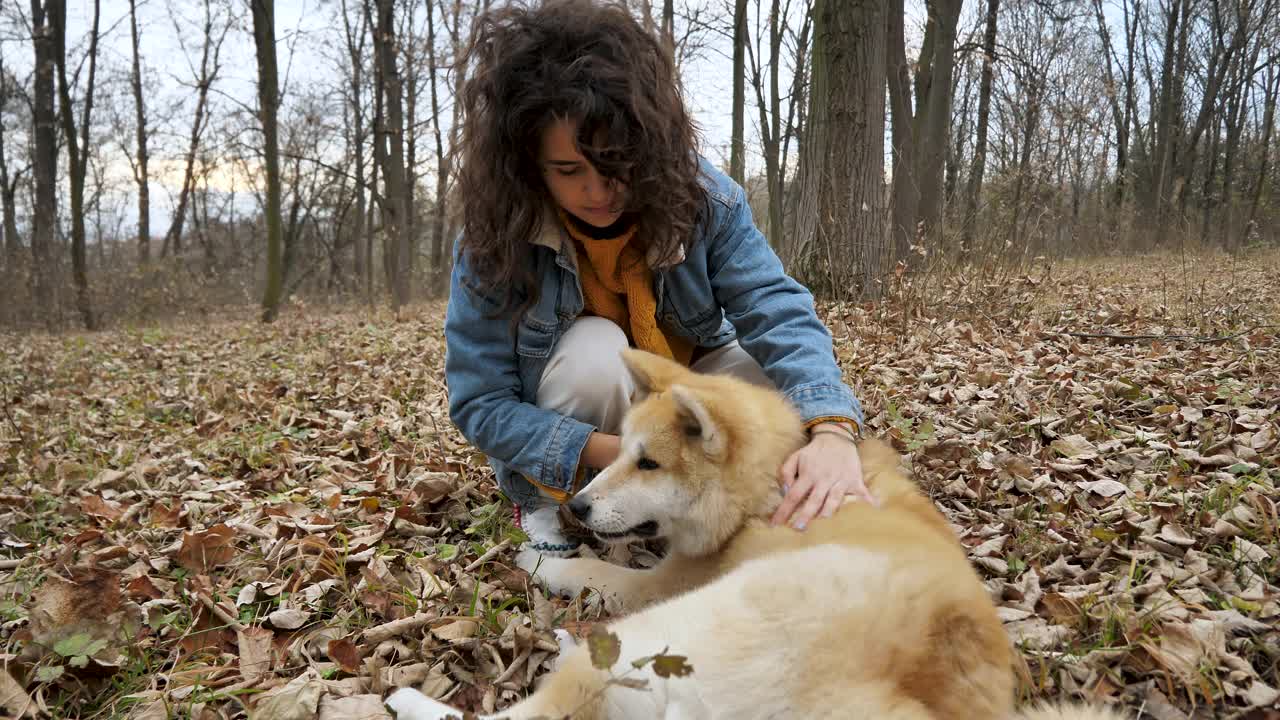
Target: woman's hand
{"points": [[817, 478]]}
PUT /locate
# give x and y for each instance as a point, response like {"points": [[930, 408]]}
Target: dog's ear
{"points": [[650, 373], [698, 420]]}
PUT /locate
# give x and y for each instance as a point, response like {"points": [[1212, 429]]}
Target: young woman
{"points": [[591, 224]]}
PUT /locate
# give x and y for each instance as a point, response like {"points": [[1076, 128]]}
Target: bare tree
{"points": [[1271, 88], [839, 242], [210, 65], [443, 162], [1120, 100], [355, 44], [920, 132], [77, 145], [141, 174], [10, 178], [264, 40], [389, 148], [974, 188], [777, 128], [737, 147], [45, 149]]}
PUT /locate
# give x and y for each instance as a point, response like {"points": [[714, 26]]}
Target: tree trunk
{"points": [[1207, 200], [737, 146], [439, 271], [974, 189], [45, 169], [77, 144], [409, 86], [920, 136], [1167, 112], [955, 145], [1035, 94], [395, 203], [669, 25], [934, 117], [264, 40], [140, 173], [355, 51], [8, 184], [1272, 89], [770, 109], [840, 226]]}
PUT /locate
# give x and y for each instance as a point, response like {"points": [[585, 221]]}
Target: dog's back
{"points": [[898, 612], [873, 612]]}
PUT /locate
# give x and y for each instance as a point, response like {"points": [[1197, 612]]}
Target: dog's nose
{"points": [[580, 507]]}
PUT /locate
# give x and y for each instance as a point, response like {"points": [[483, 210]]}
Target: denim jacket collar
{"points": [[551, 234]]}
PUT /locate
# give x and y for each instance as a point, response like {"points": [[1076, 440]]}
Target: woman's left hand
{"points": [[816, 479]]}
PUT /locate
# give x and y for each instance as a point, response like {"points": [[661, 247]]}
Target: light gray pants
{"points": [[586, 380]]}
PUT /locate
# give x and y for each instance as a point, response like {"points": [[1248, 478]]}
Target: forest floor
{"points": [[225, 518]]}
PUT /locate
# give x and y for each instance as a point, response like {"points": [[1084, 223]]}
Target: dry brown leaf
{"points": [[1075, 447], [165, 516], [255, 652], [1175, 534], [355, 707], [88, 601], [14, 699], [1106, 488], [297, 700], [288, 619], [346, 654], [456, 631], [202, 551], [98, 506]]}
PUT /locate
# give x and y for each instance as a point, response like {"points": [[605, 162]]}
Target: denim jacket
{"points": [[726, 283]]}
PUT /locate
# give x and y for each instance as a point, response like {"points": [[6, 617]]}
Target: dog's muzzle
{"points": [[647, 529]]}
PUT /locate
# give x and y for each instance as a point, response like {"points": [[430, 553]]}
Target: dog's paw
{"points": [[528, 560], [552, 573], [409, 704], [564, 639]]}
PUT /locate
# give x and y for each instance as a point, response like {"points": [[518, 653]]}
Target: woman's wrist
{"points": [[601, 449], [847, 430]]}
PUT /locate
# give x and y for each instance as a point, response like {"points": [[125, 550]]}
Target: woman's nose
{"points": [[599, 189]]}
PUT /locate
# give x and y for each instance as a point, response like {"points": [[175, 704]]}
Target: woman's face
{"points": [[573, 182]]}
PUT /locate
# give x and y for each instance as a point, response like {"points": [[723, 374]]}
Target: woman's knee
{"points": [[585, 376]]}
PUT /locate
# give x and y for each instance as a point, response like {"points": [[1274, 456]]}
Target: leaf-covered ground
{"points": [[225, 519]]}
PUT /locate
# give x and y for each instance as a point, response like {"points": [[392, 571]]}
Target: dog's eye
{"points": [[645, 463]]}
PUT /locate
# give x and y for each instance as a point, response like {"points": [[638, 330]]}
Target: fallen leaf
{"points": [[14, 699], [288, 619], [346, 654], [1075, 447], [255, 652], [355, 707], [202, 551], [298, 700], [1105, 487], [604, 646], [456, 631]]}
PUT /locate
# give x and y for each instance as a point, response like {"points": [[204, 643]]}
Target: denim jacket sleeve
{"points": [[774, 315], [482, 373]]}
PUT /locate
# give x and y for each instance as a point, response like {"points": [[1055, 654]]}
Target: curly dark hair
{"points": [[593, 64]]}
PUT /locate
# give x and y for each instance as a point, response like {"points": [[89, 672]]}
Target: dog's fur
{"points": [[872, 613]]}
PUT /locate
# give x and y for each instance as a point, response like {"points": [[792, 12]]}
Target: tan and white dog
{"points": [[872, 613]]}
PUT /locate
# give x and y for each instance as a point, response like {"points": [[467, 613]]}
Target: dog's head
{"points": [[700, 455]]}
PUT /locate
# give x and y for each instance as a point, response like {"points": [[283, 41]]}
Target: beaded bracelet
{"points": [[840, 434]]}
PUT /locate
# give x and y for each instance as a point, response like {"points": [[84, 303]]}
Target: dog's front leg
{"points": [[623, 589]]}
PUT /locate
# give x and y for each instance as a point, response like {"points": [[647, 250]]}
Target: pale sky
{"points": [[307, 41]]}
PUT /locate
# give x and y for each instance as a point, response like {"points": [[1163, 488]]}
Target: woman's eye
{"points": [[645, 463], [568, 173]]}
